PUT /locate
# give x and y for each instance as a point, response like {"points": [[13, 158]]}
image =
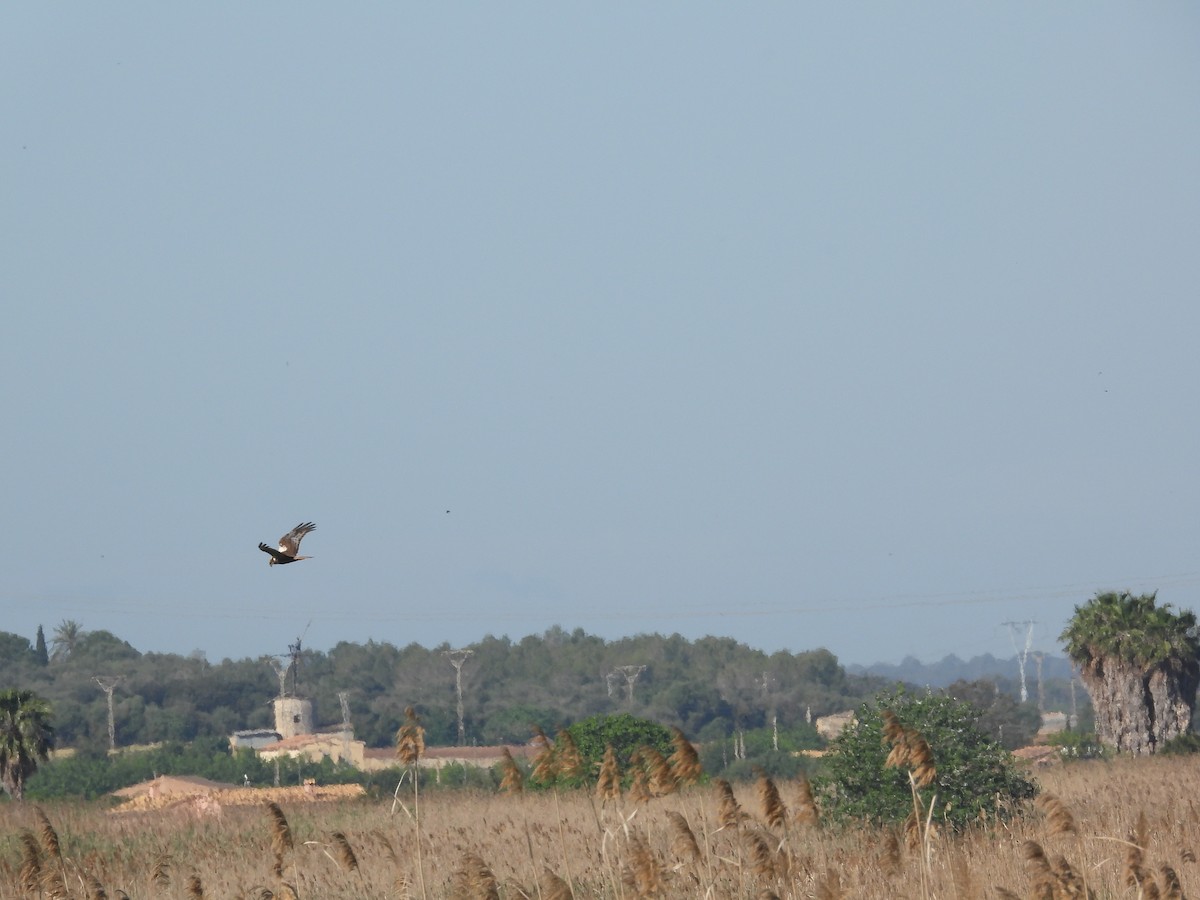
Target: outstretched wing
{"points": [[274, 553], [289, 544]]}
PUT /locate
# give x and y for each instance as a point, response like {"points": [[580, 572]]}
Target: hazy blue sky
{"points": [[867, 326]]}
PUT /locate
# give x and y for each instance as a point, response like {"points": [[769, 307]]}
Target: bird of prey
{"points": [[289, 545]]}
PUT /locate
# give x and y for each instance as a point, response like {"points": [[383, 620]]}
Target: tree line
{"points": [[711, 687]]}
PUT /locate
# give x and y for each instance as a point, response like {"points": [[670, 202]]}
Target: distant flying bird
{"points": [[289, 545]]}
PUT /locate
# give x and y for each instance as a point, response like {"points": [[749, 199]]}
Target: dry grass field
{"points": [[1128, 828]]}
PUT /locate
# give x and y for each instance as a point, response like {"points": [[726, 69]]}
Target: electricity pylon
{"points": [[1022, 655], [108, 685], [457, 658]]}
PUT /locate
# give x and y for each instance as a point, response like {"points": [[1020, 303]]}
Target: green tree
{"points": [[1139, 664], [66, 636], [15, 648], [43, 656], [626, 733], [972, 773], [26, 738], [999, 715]]}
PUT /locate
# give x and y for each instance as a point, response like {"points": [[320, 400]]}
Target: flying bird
{"points": [[289, 545]]}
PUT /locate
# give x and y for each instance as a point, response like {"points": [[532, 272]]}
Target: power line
{"points": [[663, 609]]}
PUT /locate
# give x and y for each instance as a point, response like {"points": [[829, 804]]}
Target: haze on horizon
{"points": [[866, 327]]}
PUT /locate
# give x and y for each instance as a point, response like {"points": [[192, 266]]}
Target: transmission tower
{"points": [[1041, 691], [631, 674], [108, 685], [281, 671], [457, 658], [1022, 655], [294, 653], [610, 679]]}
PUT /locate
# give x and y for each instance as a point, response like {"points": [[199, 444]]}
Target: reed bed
{"points": [[1127, 828]]}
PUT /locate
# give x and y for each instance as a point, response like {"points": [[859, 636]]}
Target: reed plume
{"points": [[662, 779], [684, 843], [774, 812], [30, 863], [642, 874], [346, 855], [95, 890], [387, 845], [1057, 814], [639, 787], [569, 761], [608, 785], [281, 832], [161, 873], [1036, 859], [1069, 881], [684, 759], [761, 854], [49, 836], [513, 781], [545, 765], [194, 888], [730, 813], [913, 835], [806, 808], [410, 739], [909, 751], [1171, 889], [474, 880]]}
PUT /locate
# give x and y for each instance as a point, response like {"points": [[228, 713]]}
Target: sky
{"points": [[869, 326]]}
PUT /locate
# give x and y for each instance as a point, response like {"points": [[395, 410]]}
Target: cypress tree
{"points": [[41, 654]]}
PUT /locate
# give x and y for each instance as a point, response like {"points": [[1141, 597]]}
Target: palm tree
{"points": [[66, 637], [26, 738], [1139, 662]]}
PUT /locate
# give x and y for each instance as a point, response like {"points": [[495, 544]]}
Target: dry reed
{"points": [[554, 888], [513, 780], [729, 852], [346, 856], [281, 832], [806, 807], [31, 863], [661, 779], [608, 783], [730, 814], [474, 880], [642, 874], [770, 801], [684, 759]]}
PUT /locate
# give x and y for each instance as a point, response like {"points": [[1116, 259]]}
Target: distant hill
{"points": [[951, 669]]}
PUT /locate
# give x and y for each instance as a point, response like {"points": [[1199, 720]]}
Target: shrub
{"points": [[626, 733], [974, 775]]}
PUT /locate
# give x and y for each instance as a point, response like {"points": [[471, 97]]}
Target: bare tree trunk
{"points": [[1139, 709], [1173, 695]]}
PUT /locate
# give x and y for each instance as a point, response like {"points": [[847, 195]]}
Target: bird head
{"points": [[271, 561]]}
